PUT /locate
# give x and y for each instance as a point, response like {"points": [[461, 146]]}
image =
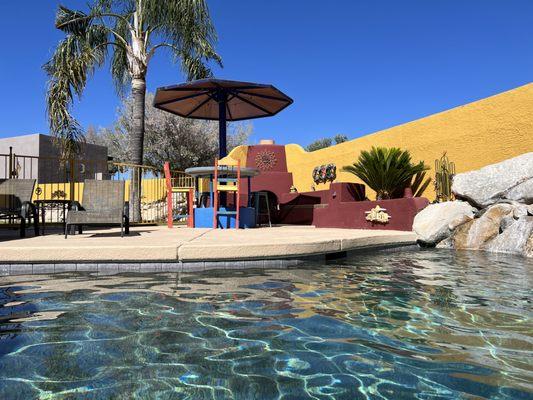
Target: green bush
{"points": [[389, 171]]}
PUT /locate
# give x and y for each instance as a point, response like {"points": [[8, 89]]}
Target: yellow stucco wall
{"points": [[474, 135], [238, 153]]}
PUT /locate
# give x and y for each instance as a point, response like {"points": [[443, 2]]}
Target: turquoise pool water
{"points": [[408, 325]]}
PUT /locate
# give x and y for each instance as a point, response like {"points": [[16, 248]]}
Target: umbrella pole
{"points": [[222, 150]]}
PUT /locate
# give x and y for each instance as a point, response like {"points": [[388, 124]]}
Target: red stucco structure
{"points": [[343, 205], [274, 178]]}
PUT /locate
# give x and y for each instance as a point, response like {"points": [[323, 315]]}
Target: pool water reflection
{"points": [[417, 324]]}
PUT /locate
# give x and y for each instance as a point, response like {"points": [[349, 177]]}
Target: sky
{"points": [[353, 67]]}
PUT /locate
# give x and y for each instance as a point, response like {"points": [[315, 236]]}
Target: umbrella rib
{"points": [[198, 106], [266, 96], [162, 103], [227, 106], [184, 88], [253, 104], [248, 87], [253, 86]]}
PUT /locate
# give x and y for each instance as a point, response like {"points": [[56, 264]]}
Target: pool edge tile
{"points": [[193, 266], [21, 269], [5, 270], [43, 269]]}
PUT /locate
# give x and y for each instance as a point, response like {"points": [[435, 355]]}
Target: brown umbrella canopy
{"points": [[221, 100], [200, 99]]}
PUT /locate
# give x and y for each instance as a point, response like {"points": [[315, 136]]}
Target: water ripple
{"points": [[410, 325]]}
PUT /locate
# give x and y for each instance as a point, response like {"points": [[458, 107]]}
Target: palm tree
{"points": [[129, 32], [389, 171]]}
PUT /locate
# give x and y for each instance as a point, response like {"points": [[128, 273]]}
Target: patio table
{"points": [[203, 214], [50, 205]]}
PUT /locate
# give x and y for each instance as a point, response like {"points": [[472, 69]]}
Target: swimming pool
{"points": [[412, 324]]}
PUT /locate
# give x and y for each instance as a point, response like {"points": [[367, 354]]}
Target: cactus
{"points": [[444, 173]]}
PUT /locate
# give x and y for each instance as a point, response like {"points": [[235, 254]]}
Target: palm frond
{"points": [[72, 21], [74, 59], [129, 28], [187, 27], [418, 185], [194, 67], [119, 62]]}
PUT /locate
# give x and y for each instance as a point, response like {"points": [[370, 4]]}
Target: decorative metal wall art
{"points": [[325, 173], [265, 160]]}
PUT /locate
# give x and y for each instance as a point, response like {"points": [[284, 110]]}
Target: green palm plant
{"points": [[127, 33], [389, 171]]}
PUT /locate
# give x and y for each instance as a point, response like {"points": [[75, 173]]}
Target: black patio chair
{"points": [[15, 203], [103, 204]]}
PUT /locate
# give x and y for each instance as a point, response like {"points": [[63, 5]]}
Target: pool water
{"points": [[406, 325]]}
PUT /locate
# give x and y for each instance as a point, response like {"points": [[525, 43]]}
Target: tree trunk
{"points": [[136, 146]]}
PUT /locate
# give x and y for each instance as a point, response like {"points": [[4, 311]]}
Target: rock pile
{"points": [[493, 211]]}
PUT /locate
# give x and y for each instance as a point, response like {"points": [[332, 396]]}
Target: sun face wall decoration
{"points": [[265, 160]]}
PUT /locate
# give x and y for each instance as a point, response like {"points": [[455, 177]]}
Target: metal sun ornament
{"points": [[377, 214], [265, 160]]}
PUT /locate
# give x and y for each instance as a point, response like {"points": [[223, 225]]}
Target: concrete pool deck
{"points": [[158, 244]]}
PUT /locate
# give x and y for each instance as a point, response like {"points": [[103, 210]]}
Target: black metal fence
{"points": [[59, 181]]}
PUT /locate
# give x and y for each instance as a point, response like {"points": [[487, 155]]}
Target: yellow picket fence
{"points": [[152, 189]]}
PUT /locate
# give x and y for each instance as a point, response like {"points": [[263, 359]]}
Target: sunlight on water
{"points": [[423, 325]]}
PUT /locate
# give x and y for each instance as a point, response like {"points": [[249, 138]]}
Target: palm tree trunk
{"points": [[136, 146]]}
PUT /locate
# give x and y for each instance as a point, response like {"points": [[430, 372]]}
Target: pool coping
{"points": [[152, 249], [134, 266]]}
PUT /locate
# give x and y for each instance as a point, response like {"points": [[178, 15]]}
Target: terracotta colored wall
{"points": [[339, 214], [473, 135], [273, 151], [341, 207]]}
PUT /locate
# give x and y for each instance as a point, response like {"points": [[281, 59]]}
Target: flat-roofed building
{"points": [[35, 156]]}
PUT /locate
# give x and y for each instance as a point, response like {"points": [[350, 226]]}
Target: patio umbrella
{"points": [[222, 100]]}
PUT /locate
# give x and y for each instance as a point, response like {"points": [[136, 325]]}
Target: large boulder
{"points": [[528, 249], [511, 179], [437, 221], [523, 192], [516, 239], [476, 233]]}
